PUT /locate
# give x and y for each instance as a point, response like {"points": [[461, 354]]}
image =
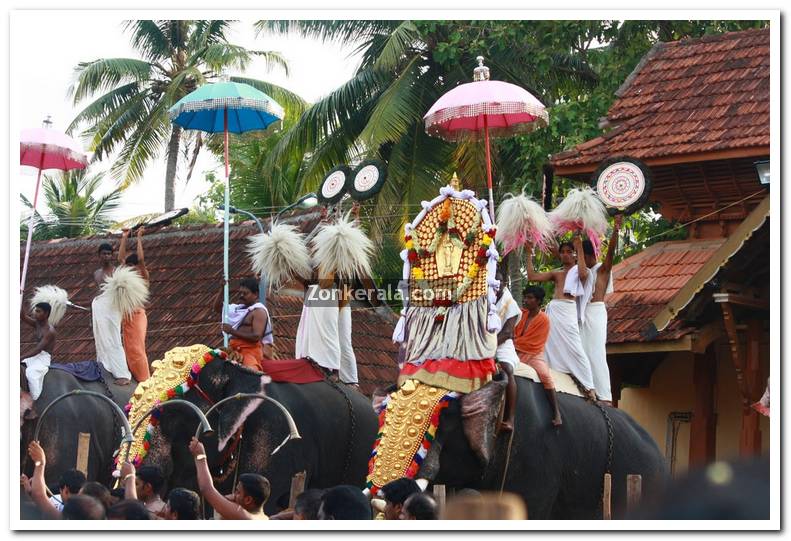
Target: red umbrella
{"points": [[45, 148], [488, 108]]}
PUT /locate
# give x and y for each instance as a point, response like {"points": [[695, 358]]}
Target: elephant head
{"points": [[465, 441], [218, 379]]}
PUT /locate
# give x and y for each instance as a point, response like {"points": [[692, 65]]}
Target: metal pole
{"points": [[225, 230], [262, 280]]}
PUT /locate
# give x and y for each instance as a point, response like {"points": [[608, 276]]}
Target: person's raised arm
{"points": [[141, 262], [582, 268], [128, 481], [38, 487], [606, 266], [227, 509], [122, 247], [532, 274], [26, 317]]}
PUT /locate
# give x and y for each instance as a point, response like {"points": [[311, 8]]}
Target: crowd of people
{"points": [[140, 496]]}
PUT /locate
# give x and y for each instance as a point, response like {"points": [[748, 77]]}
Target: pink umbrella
{"points": [[45, 148], [491, 108]]}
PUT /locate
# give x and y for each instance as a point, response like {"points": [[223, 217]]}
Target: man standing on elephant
{"points": [[135, 325], [564, 349], [593, 312], [106, 321], [249, 325]]}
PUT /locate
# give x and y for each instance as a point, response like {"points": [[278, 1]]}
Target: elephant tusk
{"points": [[292, 426]]}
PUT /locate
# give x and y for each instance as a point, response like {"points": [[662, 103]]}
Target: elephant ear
{"points": [[479, 412], [234, 413]]}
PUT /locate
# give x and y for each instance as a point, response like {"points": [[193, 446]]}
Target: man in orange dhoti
{"points": [[530, 336], [135, 325], [249, 325]]}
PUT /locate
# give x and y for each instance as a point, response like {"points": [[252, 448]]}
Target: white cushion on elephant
{"points": [[563, 382]]}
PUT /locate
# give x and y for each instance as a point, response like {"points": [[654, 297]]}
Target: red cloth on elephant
{"points": [[451, 374], [292, 371]]}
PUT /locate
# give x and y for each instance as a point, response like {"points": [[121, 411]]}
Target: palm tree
{"points": [[406, 66], [134, 95], [76, 209]]}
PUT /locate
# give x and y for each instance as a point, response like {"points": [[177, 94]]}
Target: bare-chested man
{"points": [[249, 325], [564, 349], [593, 313], [36, 364], [106, 267]]}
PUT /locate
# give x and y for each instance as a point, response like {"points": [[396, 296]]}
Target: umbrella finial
{"points": [[47, 123], [454, 182], [481, 73]]}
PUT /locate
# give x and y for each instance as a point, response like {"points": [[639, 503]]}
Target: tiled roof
{"points": [[685, 97], [186, 267], [646, 282]]}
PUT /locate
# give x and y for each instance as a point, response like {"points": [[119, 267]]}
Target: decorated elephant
{"points": [[336, 423], [60, 428], [558, 471]]}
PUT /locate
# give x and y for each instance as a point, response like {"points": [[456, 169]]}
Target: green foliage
{"points": [[131, 97], [76, 208]]}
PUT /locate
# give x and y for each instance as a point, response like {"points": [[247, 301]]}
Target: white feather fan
{"points": [[581, 209], [279, 255], [342, 249], [521, 219], [127, 289], [56, 297]]}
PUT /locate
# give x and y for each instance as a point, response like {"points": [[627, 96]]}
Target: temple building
{"points": [[688, 335]]}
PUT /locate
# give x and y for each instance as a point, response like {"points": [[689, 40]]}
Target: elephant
{"points": [[559, 472], [337, 426], [60, 428]]}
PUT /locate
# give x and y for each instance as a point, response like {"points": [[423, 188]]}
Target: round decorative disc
{"points": [[623, 184], [369, 177], [334, 185]]}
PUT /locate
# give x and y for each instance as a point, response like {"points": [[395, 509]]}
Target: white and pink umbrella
{"points": [[45, 148], [485, 109]]}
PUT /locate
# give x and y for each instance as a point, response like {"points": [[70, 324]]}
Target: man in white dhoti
{"points": [[36, 364], [317, 333], [564, 351], [347, 370], [107, 319], [510, 314], [593, 313]]}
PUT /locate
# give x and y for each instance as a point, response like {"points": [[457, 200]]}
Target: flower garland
{"points": [[177, 391]]}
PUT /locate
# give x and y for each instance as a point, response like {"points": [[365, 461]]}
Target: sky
{"points": [[46, 46]]}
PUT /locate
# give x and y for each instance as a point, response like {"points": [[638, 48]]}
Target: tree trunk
{"points": [[170, 172]]}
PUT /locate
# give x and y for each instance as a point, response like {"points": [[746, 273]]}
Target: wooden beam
{"points": [[83, 450], [706, 335], [439, 496], [730, 154], [750, 438], [742, 300], [682, 344], [737, 356], [709, 269], [607, 497], [634, 491], [703, 428]]}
